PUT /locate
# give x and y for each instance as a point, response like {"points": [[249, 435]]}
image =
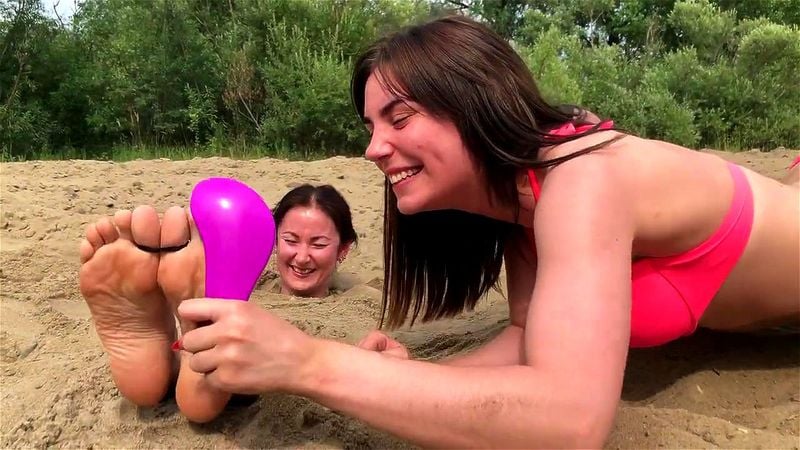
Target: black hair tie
{"points": [[173, 248]]}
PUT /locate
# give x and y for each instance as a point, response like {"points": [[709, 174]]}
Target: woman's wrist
{"points": [[311, 367]]}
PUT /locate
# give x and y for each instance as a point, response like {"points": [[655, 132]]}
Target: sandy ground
{"points": [[709, 391]]}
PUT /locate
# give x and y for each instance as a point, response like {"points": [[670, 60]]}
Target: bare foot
{"points": [[181, 276], [131, 316]]}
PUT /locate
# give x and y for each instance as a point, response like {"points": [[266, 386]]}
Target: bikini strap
{"points": [[565, 130], [534, 185]]}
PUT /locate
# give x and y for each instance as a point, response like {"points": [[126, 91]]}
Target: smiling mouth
{"points": [[400, 176], [302, 272]]}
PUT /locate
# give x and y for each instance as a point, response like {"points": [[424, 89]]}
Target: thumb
{"points": [[203, 309], [375, 341], [398, 351]]}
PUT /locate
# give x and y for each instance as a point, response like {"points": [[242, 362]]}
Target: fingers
{"points": [[397, 351], [205, 362], [374, 340], [379, 342], [204, 309], [200, 339]]}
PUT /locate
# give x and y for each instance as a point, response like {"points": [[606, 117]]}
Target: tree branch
{"points": [[461, 5], [58, 16], [252, 117]]}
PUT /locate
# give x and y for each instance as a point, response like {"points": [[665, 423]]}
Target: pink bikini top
{"points": [[670, 294]]}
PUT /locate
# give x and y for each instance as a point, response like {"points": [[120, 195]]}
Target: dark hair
{"points": [[442, 262], [327, 199]]}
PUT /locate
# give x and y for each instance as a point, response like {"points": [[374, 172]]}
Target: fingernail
{"points": [[177, 345]]}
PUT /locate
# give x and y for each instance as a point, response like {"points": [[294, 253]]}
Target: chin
{"points": [[309, 291], [408, 206]]}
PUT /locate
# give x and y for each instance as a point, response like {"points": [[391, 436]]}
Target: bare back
{"points": [[682, 196]]}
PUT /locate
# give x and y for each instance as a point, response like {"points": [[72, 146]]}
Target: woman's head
{"points": [[461, 104], [450, 105], [314, 232]]}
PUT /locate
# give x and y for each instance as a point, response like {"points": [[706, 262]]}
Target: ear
{"points": [[343, 251]]}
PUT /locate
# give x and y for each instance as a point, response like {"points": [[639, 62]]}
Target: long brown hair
{"points": [[440, 263]]}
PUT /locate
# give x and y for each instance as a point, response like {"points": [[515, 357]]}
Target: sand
{"points": [[708, 391]]}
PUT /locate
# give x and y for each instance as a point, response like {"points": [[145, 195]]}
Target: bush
{"points": [[308, 104], [548, 61]]}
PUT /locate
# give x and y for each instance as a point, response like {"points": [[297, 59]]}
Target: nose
{"points": [[302, 256], [379, 148]]}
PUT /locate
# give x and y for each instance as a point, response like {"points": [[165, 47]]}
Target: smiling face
{"points": [[307, 250], [422, 156]]}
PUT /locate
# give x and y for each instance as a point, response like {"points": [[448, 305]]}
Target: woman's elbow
{"points": [[577, 425], [584, 430], [591, 426]]}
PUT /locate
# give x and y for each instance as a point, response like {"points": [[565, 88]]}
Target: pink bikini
{"points": [[670, 294]]}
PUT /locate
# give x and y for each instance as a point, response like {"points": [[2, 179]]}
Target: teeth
{"points": [[302, 271], [400, 176]]}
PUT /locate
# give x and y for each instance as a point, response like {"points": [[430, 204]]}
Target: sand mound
{"points": [[712, 390]]}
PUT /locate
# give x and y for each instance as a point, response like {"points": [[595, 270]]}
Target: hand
{"points": [[245, 349], [383, 344]]}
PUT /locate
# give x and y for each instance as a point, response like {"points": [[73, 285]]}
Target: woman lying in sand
{"points": [[609, 241], [132, 293]]}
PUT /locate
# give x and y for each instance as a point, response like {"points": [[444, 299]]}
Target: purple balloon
{"points": [[238, 233]]}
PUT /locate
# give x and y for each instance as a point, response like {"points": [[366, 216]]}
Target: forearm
{"points": [[443, 406], [505, 349]]}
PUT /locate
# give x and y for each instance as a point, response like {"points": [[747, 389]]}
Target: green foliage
{"points": [[654, 111], [769, 57], [699, 24], [24, 129], [549, 60], [145, 78], [309, 106]]}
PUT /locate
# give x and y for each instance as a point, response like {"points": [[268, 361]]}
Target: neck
{"points": [[478, 200]]}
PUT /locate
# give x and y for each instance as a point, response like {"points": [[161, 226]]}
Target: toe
{"points": [[86, 250], [107, 230], [194, 234], [145, 228], [175, 229], [93, 236], [122, 219]]}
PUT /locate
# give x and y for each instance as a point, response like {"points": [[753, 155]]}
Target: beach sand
{"points": [[708, 391]]}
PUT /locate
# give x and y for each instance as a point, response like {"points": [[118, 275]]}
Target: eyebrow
{"points": [[313, 238], [384, 111]]}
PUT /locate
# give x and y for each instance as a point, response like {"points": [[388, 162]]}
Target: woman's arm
{"points": [[503, 349], [575, 343], [507, 348], [435, 405]]}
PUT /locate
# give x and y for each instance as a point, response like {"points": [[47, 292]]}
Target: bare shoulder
{"points": [[605, 165], [642, 163], [583, 196], [608, 141], [654, 182]]}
